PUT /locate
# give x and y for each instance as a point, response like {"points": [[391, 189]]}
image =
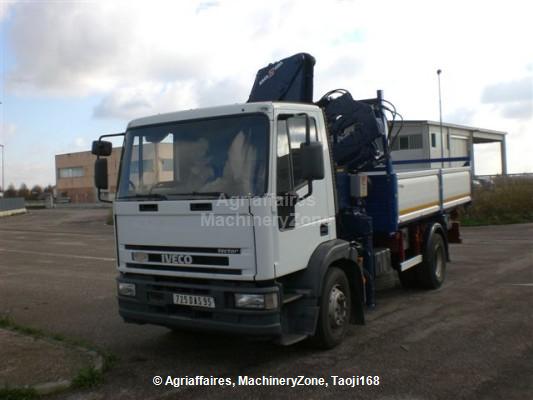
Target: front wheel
{"points": [[335, 309]]}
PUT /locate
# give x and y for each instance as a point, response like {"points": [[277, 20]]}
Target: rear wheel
{"points": [[432, 272], [335, 309]]}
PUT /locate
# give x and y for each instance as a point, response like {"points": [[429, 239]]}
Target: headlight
{"points": [[126, 289], [266, 301]]}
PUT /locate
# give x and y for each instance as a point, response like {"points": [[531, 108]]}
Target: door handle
{"points": [[324, 229]]}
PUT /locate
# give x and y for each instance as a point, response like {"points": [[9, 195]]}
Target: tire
{"points": [[432, 272], [335, 310]]}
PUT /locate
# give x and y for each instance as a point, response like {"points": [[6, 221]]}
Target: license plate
{"points": [[195, 301]]}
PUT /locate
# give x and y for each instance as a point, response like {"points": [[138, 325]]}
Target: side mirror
{"points": [[312, 157], [100, 174], [102, 148]]}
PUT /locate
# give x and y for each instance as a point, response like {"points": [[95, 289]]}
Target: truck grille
{"points": [[177, 249], [201, 270], [204, 260]]}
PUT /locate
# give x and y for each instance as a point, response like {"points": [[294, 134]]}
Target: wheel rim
{"points": [[337, 307], [439, 263]]}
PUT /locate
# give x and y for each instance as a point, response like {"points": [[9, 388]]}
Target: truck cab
{"points": [[216, 212]]}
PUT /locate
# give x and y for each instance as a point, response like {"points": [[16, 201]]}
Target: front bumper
{"points": [[153, 304]]}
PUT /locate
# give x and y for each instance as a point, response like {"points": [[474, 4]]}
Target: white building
{"points": [[422, 141]]}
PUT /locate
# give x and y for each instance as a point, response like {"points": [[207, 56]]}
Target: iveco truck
{"points": [[273, 217]]}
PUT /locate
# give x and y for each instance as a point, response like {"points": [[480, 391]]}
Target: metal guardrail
{"points": [[36, 204], [432, 160], [526, 175], [12, 203]]}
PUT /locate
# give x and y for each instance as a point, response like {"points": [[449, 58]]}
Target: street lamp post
{"points": [[3, 167], [440, 121]]}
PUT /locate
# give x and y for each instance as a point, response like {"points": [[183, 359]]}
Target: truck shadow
{"points": [[192, 353]]}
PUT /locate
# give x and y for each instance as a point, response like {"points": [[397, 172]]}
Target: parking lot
{"points": [[471, 339]]}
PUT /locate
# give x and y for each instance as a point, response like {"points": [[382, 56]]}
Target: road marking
{"points": [[521, 284], [57, 255], [52, 241], [37, 231]]}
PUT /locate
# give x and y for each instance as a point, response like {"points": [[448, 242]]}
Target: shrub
{"points": [[508, 200]]}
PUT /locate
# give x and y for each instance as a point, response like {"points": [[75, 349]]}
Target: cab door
{"points": [[304, 219]]}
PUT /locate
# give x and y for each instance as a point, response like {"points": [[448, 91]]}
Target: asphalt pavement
{"points": [[471, 339]]}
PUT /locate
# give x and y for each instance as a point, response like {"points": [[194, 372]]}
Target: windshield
{"points": [[221, 156]]}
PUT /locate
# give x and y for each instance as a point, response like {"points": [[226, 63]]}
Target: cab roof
{"points": [[265, 107]]}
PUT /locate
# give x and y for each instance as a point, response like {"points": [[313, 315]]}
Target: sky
{"points": [[73, 70]]}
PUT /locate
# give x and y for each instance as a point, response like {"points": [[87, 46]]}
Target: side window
{"points": [[433, 140], [284, 163], [291, 134], [135, 164]]}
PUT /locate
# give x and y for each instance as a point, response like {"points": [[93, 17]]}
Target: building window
{"points": [[167, 165], [148, 166], [404, 143], [433, 140], [71, 172], [408, 142], [415, 141]]}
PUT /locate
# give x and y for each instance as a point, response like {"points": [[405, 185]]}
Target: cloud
{"points": [[505, 92], [518, 110], [152, 98], [136, 101], [137, 59], [226, 91], [8, 132], [4, 9], [512, 99], [80, 143], [461, 116], [81, 48], [61, 47], [344, 65], [205, 5], [123, 103]]}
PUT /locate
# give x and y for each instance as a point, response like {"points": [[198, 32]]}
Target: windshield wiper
{"points": [[153, 196], [208, 194]]}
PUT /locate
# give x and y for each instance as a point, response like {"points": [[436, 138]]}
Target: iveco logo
{"points": [[176, 258]]}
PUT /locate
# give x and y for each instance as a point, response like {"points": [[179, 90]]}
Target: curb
{"points": [[63, 384], [8, 213]]}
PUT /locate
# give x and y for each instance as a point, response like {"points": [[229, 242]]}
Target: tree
{"points": [[11, 191], [49, 189], [36, 192], [23, 191]]}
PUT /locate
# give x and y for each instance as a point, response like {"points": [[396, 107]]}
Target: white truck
{"points": [[275, 216]]}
